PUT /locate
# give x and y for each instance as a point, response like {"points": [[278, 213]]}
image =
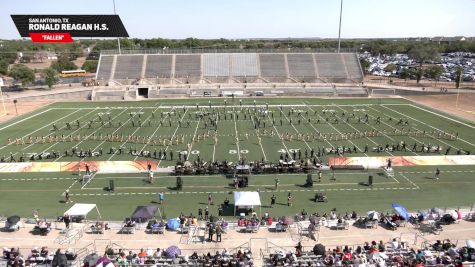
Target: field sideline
{"points": [[238, 137]]}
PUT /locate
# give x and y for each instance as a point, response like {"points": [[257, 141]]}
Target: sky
{"points": [[233, 19]]}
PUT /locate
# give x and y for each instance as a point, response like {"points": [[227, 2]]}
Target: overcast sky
{"points": [[264, 18]]}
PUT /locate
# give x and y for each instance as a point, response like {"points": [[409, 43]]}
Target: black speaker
{"points": [[111, 185], [370, 180]]}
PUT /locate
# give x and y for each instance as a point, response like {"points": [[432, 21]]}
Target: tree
{"points": [[390, 68], [434, 72], [423, 53], [364, 65], [23, 74], [3, 66], [90, 66], [418, 73], [51, 77], [405, 74], [63, 63], [458, 77]]}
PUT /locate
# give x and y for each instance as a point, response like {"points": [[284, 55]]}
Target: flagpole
{"points": [[118, 38], [339, 26]]}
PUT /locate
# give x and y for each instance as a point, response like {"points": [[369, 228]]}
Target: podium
{"points": [[86, 178]]}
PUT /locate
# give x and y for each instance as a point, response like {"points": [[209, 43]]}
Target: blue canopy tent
{"points": [[173, 224], [401, 211]]}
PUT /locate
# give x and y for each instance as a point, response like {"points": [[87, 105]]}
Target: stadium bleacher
{"points": [[273, 66], [128, 67], [232, 67], [354, 69], [104, 68], [331, 67], [187, 66], [301, 66], [159, 66]]}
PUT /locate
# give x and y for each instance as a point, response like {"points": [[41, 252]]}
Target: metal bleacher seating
{"points": [[331, 66], [128, 66], [353, 67], [104, 68], [187, 66], [272, 65], [216, 65], [244, 65], [232, 67], [301, 66], [159, 66]]}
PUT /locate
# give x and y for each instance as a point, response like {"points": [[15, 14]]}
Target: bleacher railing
{"points": [[211, 50]]}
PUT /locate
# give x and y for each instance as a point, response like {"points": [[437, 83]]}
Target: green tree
{"points": [[63, 63], [23, 74], [3, 67], [364, 65], [405, 74], [51, 77], [423, 53], [434, 72], [390, 68], [458, 77], [419, 72], [90, 66]]}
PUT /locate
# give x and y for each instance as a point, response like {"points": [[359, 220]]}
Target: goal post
{"points": [[383, 91], [3, 109]]}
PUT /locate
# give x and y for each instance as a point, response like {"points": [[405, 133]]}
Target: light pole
{"points": [[118, 38], [339, 26]]}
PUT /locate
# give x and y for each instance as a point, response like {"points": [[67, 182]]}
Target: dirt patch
{"points": [[447, 103], [413, 83], [22, 107]]}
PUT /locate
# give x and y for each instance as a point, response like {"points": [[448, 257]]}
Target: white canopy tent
{"points": [[245, 199], [80, 209]]}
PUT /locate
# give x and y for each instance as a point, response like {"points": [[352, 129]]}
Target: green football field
{"points": [[251, 129]]}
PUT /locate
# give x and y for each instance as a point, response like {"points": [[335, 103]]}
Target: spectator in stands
{"points": [[381, 246], [59, 259], [395, 244], [142, 253], [298, 249]]}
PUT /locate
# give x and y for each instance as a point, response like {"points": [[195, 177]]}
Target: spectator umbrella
{"points": [[401, 211]]}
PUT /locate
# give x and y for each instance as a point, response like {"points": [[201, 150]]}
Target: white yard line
{"points": [[120, 113], [409, 181], [193, 139], [279, 136], [125, 142], [214, 145], [293, 126], [369, 126], [48, 148], [259, 140], [440, 115], [335, 129], [407, 116], [186, 110], [237, 135], [153, 134], [59, 129], [417, 140], [40, 128], [24, 119]]}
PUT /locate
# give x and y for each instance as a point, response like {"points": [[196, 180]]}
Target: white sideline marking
{"points": [[443, 116], [53, 132], [27, 118], [403, 114], [39, 128]]}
